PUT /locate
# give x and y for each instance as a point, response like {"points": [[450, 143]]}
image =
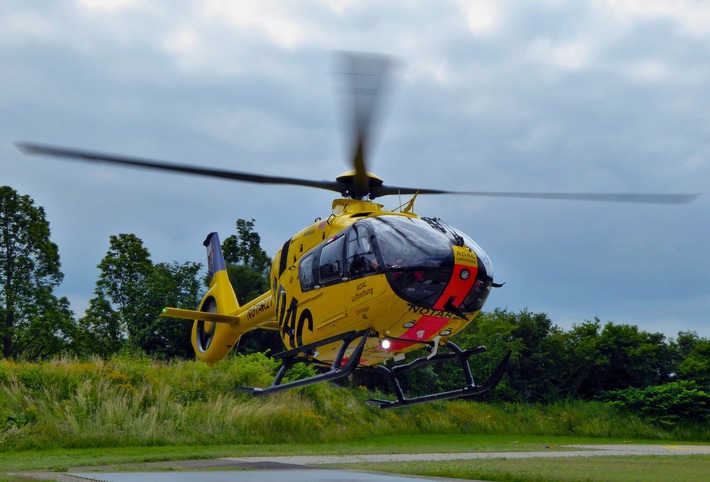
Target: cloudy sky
{"points": [[584, 96]]}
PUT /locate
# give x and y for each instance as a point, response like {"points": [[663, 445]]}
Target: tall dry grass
{"points": [[134, 401]]}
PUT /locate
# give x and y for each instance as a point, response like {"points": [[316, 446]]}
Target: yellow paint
{"points": [[305, 317], [465, 256]]}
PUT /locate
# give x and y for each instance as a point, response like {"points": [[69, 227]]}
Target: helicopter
{"points": [[362, 287]]}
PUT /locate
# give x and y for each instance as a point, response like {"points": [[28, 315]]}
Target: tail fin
{"points": [[215, 258], [220, 321], [212, 340]]}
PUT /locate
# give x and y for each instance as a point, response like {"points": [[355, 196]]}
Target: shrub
{"points": [[669, 405]]}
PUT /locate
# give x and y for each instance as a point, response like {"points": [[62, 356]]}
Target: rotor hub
{"points": [[355, 187]]}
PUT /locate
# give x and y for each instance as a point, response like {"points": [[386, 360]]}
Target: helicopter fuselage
{"points": [[411, 281]]}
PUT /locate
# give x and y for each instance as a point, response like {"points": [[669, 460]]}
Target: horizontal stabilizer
{"points": [[199, 315]]}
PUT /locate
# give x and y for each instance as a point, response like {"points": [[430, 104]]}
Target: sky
{"points": [[583, 96]]}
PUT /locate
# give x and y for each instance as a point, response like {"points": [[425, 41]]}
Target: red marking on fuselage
{"points": [[424, 329], [427, 327], [457, 288]]}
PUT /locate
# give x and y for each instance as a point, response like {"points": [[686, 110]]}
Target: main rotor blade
{"points": [[367, 74], [31, 148], [377, 191], [570, 196]]}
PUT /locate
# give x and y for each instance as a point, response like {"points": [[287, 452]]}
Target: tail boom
{"points": [[219, 321]]}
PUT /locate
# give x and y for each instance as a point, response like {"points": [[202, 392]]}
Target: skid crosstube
{"points": [[338, 369], [469, 390]]}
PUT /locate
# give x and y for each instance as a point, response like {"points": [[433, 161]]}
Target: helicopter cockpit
{"points": [[419, 260], [415, 254]]}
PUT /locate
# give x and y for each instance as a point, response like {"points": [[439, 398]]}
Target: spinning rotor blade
{"points": [[339, 187], [367, 75], [562, 196], [366, 78], [376, 191], [31, 148]]}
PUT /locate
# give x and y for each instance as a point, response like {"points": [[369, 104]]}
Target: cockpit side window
{"points": [[331, 261], [360, 258], [305, 272]]}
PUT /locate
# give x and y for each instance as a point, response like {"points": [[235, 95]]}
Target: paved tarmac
{"points": [[572, 451], [305, 468], [307, 475]]}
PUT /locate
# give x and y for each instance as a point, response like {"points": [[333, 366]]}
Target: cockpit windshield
{"points": [[419, 260], [416, 255], [411, 242]]}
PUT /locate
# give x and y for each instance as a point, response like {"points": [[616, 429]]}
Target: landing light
{"points": [[465, 274], [385, 344]]}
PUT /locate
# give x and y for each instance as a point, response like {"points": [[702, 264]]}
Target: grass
{"points": [[690, 468], [647, 468], [67, 413], [61, 459], [138, 402]]}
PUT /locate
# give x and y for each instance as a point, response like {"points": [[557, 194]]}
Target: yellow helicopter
{"points": [[364, 285]]}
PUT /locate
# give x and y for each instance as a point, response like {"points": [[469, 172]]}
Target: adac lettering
{"points": [[466, 254], [361, 291], [362, 294]]}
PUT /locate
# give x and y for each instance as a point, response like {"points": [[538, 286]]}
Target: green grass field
{"points": [[61, 459], [691, 468], [65, 413], [646, 468]]}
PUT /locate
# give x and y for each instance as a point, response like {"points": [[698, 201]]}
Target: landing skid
{"points": [[342, 367], [338, 368], [469, 390]]}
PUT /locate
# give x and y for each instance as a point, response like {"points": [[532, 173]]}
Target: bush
{"points": [[669, 405]]}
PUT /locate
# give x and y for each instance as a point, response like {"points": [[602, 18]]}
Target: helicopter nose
{"points": [[462, 280]]}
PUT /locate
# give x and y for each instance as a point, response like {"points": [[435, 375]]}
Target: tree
{"points": [[101, 330], [584, 352], [130, 294], [635, 358], [536, 369], [244, 248], [51, 331], [112, 315], [124, 271], [247, 263], [538, 372], [34, 322], [548, 363], [168, 285], [696, 365]]}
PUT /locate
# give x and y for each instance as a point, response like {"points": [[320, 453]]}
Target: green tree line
{"points": [[585, 362], [591, 360], [130, 293]]}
